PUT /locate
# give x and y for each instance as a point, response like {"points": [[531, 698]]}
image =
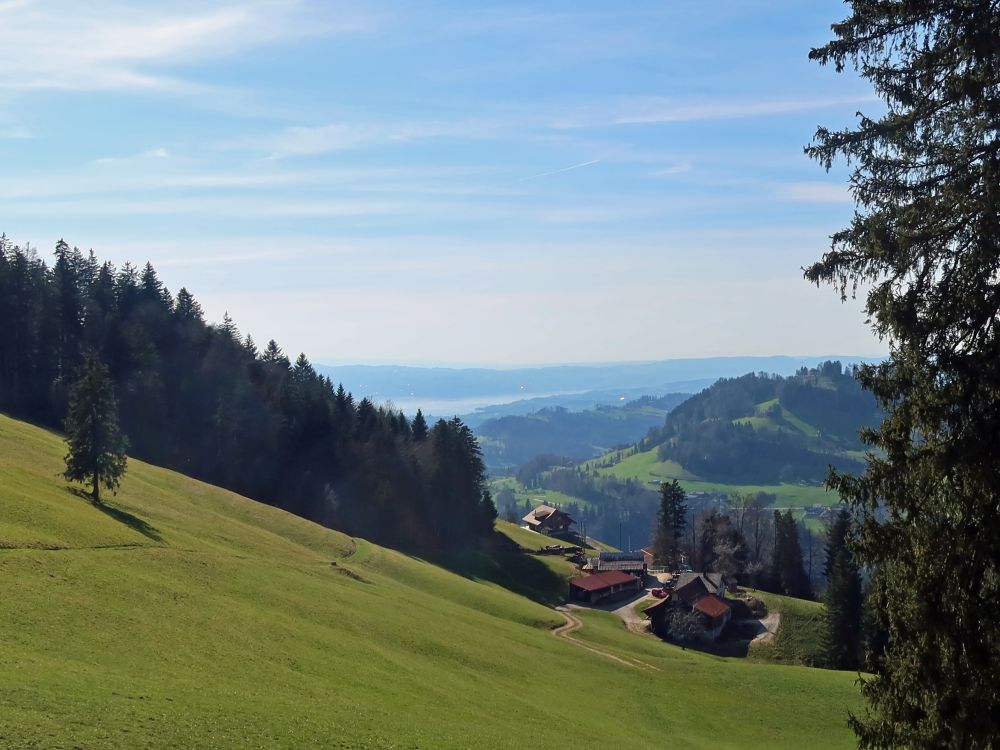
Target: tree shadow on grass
{"points": [[502, 562], [122, 516]]}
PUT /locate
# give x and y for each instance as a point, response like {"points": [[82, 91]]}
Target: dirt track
{"points": [[573, 623]]}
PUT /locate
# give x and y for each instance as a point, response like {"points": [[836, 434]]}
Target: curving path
{"points": [[573, 623]]}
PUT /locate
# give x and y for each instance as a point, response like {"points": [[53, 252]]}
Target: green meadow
{"points": [[182, 615], [646, 467]]}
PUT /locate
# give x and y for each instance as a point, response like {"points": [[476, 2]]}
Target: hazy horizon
{"points": [[559, 182]]}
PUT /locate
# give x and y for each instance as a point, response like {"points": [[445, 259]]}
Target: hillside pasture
{"points": [[646, 467], [182, 615]]}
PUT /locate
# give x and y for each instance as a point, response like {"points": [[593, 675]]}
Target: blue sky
{"points": [[448, 182]]}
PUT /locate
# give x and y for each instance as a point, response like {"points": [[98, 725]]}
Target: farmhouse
{"points": [[603, 586], [712, 582], [547, 520], [697, 592]]}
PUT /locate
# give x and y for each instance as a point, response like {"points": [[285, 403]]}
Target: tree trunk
{"points": [[96, 494]]}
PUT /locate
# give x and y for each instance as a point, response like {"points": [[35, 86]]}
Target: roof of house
{"points": [[546, 513], [711, 605], [691, 591], [604, 580], [636, 565], [712, 581], [616, 556], [664, 602]]}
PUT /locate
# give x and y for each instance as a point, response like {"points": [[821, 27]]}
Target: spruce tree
{"points": [[842, 597], [670, 521], [419, 426], [96, 444], [925, 244], [788, 574]]}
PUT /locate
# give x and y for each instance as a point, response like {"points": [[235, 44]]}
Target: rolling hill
{"points": [[767, 429], [513, 440], [182, 615]]}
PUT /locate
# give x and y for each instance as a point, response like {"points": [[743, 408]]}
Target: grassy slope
{"points": [[800, 634], [645, 467], [193, 617]]}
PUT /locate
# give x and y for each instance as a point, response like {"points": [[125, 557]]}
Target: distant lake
{"points": [[451, 406]]}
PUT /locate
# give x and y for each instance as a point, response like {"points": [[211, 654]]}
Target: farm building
{"points": [[700, 593], [626, 562], [712, 582], [547, 520], [603, 586]]}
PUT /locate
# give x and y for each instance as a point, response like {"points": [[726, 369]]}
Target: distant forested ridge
{"points": [[204, 400], [762, 428], [514, 440]]}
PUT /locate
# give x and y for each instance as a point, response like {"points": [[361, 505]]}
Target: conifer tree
{"points": [[788, 574], [670, 522], [419, 426], [842, 597], [925, 242], [96, 444]]}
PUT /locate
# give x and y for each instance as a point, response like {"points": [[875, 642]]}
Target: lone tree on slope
{"points": [[96, 443]]}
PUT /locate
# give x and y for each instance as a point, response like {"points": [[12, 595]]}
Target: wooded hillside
{"points": [[766, 428], [203, 399]]}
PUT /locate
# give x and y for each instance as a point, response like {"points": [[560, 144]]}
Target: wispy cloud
{"points": [[112, 45], [145, 156], [673, 169], [343, 136], [813, 192], [663, 110], [14, 133], [581, 165], [658, 109]]}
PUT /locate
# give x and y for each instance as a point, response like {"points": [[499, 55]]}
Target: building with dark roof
{"points": [[626, 562], [599, 587], [548, 520], [701, 593]]}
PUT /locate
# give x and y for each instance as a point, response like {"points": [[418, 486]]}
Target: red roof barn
{"points": [[601, 586]]}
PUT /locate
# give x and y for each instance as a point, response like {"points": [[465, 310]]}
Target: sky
{"points": [[485, 183]]}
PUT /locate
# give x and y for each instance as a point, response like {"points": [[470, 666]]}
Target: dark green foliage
{"points": [[670, 521], [788, 575], [419, 426], [514, 440], [925, 242], [709, 434], [531, 473], [96, 443], [202, 400], [843, 597]]}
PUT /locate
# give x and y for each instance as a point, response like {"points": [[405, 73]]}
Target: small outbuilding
{"points": [[599, 587]]}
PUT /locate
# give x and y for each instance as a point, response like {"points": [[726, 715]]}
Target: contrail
{"points": [[557, 171]]}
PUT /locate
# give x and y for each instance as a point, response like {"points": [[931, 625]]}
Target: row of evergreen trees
{"points": [[203, 400]]}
